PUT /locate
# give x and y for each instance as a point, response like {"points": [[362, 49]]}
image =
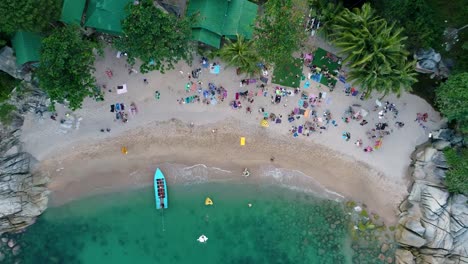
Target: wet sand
{"points": [[95, 167]]}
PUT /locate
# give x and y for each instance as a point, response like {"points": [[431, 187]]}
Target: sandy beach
{"points": [[81, 160]]}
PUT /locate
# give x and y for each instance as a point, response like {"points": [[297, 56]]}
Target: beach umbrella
{"points": [[378, 144], [264, 123]]}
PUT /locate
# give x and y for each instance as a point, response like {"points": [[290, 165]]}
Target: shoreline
{"points": [[160, 132], [99, 166]]}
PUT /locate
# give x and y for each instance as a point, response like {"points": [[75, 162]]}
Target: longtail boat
{"points": [[160, 189]]}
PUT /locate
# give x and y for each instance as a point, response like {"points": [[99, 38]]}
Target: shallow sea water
{"points": [[282, 226]]}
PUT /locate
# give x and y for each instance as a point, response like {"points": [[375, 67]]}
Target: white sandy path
{"points": [[392, 160]]}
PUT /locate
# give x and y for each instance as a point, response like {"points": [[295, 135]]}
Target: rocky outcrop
{"points": [[23, 195], [8, 65], [433, 226], [429, 61]]}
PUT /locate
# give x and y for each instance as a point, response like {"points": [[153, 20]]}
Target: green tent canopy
{"points": [[27, 47], [72, 11], [218, 18], [106, 15]]}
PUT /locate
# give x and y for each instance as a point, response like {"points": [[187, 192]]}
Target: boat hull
{"points": [[160, 189]]}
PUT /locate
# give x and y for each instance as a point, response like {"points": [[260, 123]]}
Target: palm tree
{"points": [[384, 79], [327, 12], [240, 54], [375, 51]]}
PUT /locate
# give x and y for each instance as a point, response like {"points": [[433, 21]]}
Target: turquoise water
{"points": [[282, 226]]}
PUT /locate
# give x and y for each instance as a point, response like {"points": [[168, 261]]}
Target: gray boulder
{"points": [[408, 238], [403, 256], [23, 195], [443, 134], [433, 226], [441, 144]]}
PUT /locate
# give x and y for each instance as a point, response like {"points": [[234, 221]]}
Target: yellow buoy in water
{"points": [[124, 150], [208, 201]]}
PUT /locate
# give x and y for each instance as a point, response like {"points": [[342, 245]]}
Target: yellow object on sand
{"points": [[242, 141], [264, 123], [124, 150], [208, 201]]}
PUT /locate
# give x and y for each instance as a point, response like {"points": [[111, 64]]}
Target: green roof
{"points": [[27, 47], [240, 18], [72, 11], [221, 18], [207, 37], [106, 15]]}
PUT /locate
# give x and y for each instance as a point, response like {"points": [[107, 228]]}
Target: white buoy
{"points": [[202, 239]]}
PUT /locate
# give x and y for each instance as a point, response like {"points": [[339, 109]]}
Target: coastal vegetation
{"points": [[5, 113], [375, 51], [240, 54], [452, 100], [327, 13], [66, 67], [457, 176], [157, 38], [28, 15], [279, 32], [417, 18], [7, 83]]}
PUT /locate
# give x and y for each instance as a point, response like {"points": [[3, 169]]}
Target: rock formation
{"points": [[23, 195], [429, 61], [433, 226]]}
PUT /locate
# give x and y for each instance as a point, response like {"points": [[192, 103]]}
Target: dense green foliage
{"points": [[66, 67], [5, 113], [7, 83], [160, 40], [457, 176], [452, 99], [29, 15], [279, 31], [375, 51], [326, 12], [425, 21], [240, 54], [417, 18]]}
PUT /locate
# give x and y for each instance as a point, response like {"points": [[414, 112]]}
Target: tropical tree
{"points": [[29, 15], [159, 39], [374, 50], [326, 12], [418, 19], [66, 67], [240, 54], [279, 31], [452, 99], [457, 176]]}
